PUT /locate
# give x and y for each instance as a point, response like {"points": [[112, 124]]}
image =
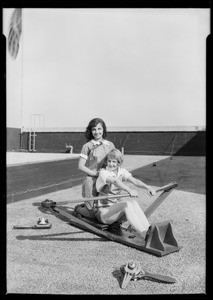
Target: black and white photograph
{"points": [[106, 150]]}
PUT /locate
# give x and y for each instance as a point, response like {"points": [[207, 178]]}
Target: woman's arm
{"points": [[122, 186], [141, 184], [83, 168]]}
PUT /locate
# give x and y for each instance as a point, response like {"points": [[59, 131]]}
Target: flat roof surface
{"points": [[68, 260], [17, 158]]}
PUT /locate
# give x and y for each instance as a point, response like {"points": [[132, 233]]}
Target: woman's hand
{"points": [[151, 191], [95, 173]]}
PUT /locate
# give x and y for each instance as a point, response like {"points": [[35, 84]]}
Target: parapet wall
{"points": [[186, 143]]}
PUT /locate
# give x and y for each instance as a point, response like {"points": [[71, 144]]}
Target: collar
{"points": [[118, 173], [97, 143]]}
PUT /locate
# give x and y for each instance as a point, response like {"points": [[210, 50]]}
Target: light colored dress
{"points": [[95, 154], [100, 207], [104, 188]]}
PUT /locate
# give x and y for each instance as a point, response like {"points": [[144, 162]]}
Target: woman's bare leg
{"points": [[140, 214], [133, 214], [113, 213], [139, 224]]}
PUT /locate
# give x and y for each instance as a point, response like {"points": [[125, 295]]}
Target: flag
{"points": [[15, 29]]}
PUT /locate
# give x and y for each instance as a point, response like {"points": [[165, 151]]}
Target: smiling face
{"points": [[97, 132], [112, 164]]}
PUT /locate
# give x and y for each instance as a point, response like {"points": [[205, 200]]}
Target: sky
{"points": [[131, 67]]}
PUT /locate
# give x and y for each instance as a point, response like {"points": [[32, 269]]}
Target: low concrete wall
{"points": [[184, 143], [13, 138], [32, 180], [188, 143]]}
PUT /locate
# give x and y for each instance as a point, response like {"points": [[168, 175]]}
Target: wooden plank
{"points": [[153, 206], [124, 237]]}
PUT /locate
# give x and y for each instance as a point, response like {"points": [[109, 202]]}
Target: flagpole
{"points": [[14, 35], [22, 74]]}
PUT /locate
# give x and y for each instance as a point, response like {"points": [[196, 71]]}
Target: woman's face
{"points": [[97, 131], [112, 164]]}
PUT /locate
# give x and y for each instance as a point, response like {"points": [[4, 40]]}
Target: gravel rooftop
{"points": [[67, 260]]}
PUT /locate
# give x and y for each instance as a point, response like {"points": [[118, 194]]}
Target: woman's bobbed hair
{"points": [[94, 123], [115, 154]]}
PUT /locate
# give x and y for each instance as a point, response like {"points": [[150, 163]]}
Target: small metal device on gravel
{"points": [[42, 223], [133, 271]]}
